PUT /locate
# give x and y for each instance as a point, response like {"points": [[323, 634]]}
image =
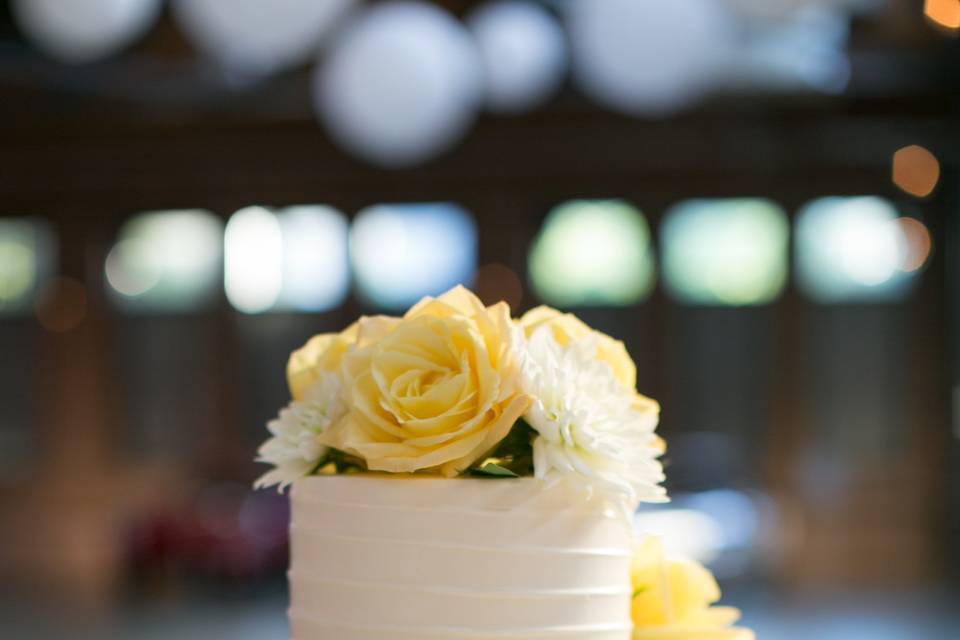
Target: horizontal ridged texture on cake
{"points": [[391, 558]]}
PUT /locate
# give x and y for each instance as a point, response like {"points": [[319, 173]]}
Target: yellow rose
{"points": [[567, 327], [435, 390], [672, 600], [322, 353]]}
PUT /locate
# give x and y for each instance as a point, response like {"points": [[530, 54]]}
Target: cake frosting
{"points": [[423, 558]]}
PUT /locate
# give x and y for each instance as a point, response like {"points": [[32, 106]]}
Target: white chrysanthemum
{"points": [[296, 449], [588, 423]]}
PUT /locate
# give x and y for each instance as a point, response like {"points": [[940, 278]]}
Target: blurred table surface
{"points": [[882, 615]]}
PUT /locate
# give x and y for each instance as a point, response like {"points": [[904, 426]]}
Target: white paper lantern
{"points": [[79, 31], [257, 37], [648, 57], [401, 85], [769, 9], [784, 9], [524, 52]]}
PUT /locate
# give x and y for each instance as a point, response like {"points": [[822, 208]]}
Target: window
{"points": [[856, 249], [730, 252], [27, 250], [292, 259], [402, 252], [593, 253], [166, 261]]}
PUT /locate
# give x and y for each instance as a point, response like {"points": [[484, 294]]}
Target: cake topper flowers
{"points": [[588, 417], [455, 387]]}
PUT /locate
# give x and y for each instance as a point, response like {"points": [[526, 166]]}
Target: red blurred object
{"points": [[226, 532]]}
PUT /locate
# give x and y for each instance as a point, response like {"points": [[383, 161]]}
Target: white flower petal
{"points": [[295, 449], [587, 422]]}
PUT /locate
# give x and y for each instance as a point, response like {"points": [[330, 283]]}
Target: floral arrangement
{"points": [[673, 598], [458, 388]]}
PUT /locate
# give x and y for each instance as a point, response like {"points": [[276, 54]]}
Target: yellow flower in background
{"points": [[434, 390], [673, 599], [567, 328]]}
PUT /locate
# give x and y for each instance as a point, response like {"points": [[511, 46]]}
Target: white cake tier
{"points": [[413, 558]]}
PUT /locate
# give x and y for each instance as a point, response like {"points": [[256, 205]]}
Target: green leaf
{"points": [[639, 590], [495, 471], [345, 463], [512, 457]]}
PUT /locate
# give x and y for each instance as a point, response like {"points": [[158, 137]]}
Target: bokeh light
{"points": [[806, 49], [253, 260], [593, 252], [253, 37], [293, 259], [401, 252], [26, 255], [944, 13], [768, 10], [852, 249], [316, 272], [166, 261], [725, 252], [918, 242], [524, 51], [80, 31], [916, 170], [402, 84], [61, 304], [717, 526], [685, 532], [649, 57], [17, 271]]}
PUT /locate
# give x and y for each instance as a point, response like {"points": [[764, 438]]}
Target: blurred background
{"points": [[759, 196]]}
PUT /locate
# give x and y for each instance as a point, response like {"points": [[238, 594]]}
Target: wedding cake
{"points": [[433, 558], [460, 474]]}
